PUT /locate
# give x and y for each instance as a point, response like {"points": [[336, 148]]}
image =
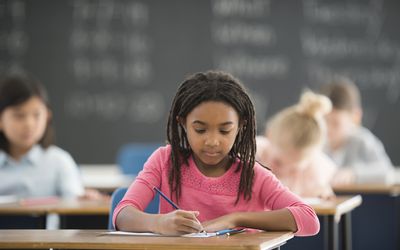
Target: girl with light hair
{"points": [[293, 147]]}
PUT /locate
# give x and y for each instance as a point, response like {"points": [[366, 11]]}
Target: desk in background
{"points": [[105, 178], [67, 209], [376, 224], [332, 212], [336, 220], [91, 239]]}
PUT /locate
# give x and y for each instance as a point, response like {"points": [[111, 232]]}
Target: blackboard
{"points": [[112, 67]]}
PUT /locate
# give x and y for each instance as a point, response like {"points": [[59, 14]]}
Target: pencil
{"points": [[171, 202], [166, 198]]}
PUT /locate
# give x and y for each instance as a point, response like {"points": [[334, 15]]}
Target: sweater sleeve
{"points": [[276, 196], [140, 193]]}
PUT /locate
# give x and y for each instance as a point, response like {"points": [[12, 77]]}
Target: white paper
{"points": [[8, 199], [312, 201], [200, 235], [192, 235]]}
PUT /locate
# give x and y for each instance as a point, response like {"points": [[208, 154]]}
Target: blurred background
{"points": [[112, 67]]}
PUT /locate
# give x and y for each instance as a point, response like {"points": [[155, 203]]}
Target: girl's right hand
{"points": [[178, 222]]}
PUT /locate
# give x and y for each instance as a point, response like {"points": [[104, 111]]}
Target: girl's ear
{"points": [[357, 116], [49, 116]]}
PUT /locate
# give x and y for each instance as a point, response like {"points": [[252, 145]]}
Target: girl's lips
{"points": [[211, 153]]}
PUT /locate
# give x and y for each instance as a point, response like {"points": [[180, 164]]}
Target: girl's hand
{"points": [[327, 194], [344, 176], [220, 223], [93, 194], [178, 222]]}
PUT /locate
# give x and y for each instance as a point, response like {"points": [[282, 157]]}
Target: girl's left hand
{"points": [[220, 223]]}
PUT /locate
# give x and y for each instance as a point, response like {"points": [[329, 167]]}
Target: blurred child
{"points": [[294, 147], [359, 154], [208, 169], [30, 166]]}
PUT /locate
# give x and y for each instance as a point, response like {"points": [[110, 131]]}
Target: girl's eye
{"points": [[225, 132], [19, 115], [200, 131]]}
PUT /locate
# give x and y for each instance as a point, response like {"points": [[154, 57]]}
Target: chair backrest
{"points": [[117, 196], [131, 157]]}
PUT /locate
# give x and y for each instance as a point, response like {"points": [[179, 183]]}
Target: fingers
{"points": [[189, 220]]}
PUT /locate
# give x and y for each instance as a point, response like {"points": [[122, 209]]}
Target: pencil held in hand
{"points": [[174, 205]]}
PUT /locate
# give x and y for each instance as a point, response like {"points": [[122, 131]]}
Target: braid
{"points": [[212, 86]]}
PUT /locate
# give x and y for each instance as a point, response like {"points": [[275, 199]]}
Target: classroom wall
{"points": [[112, 67]]}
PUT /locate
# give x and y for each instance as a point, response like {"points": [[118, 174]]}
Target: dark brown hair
{"points": [[15, 90], [221, 87], [343, 94]]}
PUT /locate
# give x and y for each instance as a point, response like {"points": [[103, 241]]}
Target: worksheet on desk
{"points": [[8, 199], [192, 235]]}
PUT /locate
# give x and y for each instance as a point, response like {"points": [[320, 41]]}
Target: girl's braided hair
{"points": [[221, 87]]}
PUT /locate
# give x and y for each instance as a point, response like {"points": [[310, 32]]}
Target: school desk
{"points": [[64, 208], [332, 211], [93, 239], [105, 178], [376, 224]]}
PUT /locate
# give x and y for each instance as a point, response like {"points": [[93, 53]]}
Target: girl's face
{"points": [[211, 129], [24, 125], [285, 157], [289, 159]]}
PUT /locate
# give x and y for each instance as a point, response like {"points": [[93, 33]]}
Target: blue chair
{"points": [[117, 196], [131, 157]]}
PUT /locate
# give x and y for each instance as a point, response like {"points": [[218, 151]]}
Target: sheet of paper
{"points": [[8, 199], [193, 235], [200, 235], [312, 201], [132, 233]]}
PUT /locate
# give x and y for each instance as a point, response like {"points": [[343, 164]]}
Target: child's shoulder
{"points": [[55, 153], [264, 178], [261, 171], [362, 135], [54, 150], [161, 155], [163, 152]]}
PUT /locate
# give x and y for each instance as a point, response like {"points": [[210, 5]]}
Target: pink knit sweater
{"points": [[215, 196]]}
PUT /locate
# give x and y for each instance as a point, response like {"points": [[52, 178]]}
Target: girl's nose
{"points": [[30, 122], [212, 141]]}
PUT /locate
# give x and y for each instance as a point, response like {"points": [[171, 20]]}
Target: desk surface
{"points": [[105, 178], [373, 188], [62, 207], [392, 187], [92, 239], [338, 206]]}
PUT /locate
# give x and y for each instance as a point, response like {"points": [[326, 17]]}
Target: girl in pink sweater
{"points": [[208, 169]]}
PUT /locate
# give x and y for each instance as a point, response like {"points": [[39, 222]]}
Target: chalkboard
{"points": [[112, 67]]}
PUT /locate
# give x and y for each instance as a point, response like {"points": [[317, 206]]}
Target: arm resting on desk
{"points": [[277, 220], [177, 222]]}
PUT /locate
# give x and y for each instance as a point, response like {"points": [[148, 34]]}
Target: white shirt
{"points": [[365, 154], [41, 172]]}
